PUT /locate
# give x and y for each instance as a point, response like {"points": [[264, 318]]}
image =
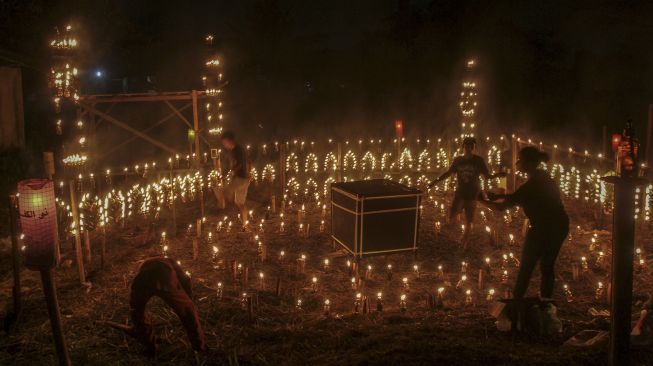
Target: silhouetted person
{"points": [[540, 198], [468, 169], [236, 189], [164, 278]]}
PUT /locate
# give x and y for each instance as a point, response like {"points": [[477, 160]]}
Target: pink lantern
{"points": [[38, 219]]}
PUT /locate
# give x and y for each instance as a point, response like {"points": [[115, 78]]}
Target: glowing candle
{"points": [[357, 303], [327, 307], [514, 259], [379, 301], [490, 295], [416, 271], [368, 272], [504, 277], [326, 264], [468, 297], [261, 280], [220, 291], [568, 295], [389, 272], [600, 260], [402, 302], [584, 265], [301, 263], [298, 304], [314, 284], [461, 282], [405, 283], [599, 291]]}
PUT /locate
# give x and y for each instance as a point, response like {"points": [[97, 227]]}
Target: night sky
{"points": [[296, 65]]}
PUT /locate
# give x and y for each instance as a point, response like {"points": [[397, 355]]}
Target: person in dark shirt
{"points": [[549, 223], [236, 189], [467, 168]]}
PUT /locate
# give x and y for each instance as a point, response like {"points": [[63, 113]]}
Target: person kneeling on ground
{"points": [[549, 223], [164, 278], [236, 189]]}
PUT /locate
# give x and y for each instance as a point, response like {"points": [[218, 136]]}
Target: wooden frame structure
{"points": [[88, 108]]}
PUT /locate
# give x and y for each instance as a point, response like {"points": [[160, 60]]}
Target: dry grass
{"points": [[281, 334]]}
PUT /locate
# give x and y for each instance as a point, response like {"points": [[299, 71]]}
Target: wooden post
{"points": [[173, 208], [50, 292], [649, 131], [513, 165], [339, 162], [605, 142], [103, 251], [78, 242], [196, 124], [15, 255], [623, 249], [282, 168]]}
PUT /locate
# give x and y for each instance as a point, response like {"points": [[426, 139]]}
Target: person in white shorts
{"points": [[236, 190]]}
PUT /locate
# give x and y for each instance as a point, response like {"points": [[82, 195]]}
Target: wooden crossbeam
{"points": [[178, 112], [143, 97], [145, 130], [127, 127]]}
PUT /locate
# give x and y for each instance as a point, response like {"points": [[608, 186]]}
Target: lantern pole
{"points": [[50, 292], [623, 247], [15, 256], [78, 242]]}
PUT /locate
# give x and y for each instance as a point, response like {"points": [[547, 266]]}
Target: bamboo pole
{"points": [[15, 255], [78, 242], [196, 123]]}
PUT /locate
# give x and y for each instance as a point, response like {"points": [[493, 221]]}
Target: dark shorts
{"points": [[462, 203]]}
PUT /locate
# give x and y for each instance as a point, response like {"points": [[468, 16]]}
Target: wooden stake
{"points": [[277, 290], [87, 247], [103, 251], [273, 204], [481, 279], [195, 248], [15, 255], [50, 293]]}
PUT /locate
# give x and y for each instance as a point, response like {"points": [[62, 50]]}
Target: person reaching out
{"points": [[468, 168], [540, 198]]}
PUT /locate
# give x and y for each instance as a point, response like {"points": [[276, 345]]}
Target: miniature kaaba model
{"points": [[376, 216]]}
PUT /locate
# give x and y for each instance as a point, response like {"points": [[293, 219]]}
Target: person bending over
{"points": [[236, 189], [161, 277], [540, 198]]}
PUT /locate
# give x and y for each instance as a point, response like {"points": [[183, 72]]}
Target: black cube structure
{"points": [[375, 216]]}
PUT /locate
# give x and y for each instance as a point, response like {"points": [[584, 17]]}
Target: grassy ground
{"points": [[280, 334]]}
